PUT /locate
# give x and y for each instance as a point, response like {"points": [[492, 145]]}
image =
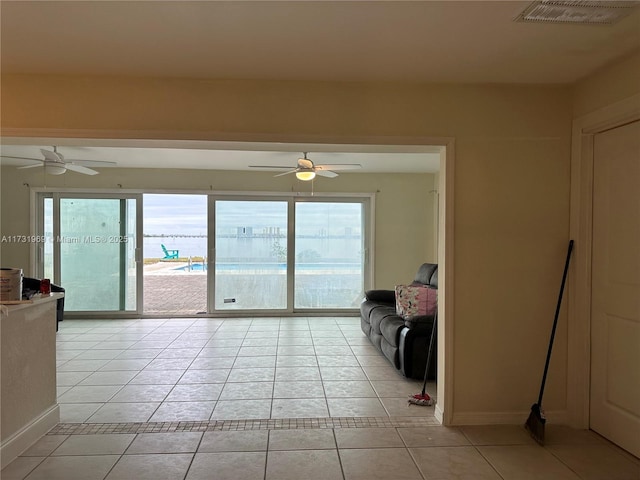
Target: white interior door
{"points": [[615, 307]]}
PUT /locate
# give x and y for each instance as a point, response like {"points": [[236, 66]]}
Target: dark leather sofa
{"points": [[405, 343]]}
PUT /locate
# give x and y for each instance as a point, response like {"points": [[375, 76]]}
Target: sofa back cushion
{"points": [[425, 272], [433, 282]]}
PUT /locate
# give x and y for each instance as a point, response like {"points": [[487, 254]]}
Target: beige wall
{"points": [[512, 151], [616, 82]]}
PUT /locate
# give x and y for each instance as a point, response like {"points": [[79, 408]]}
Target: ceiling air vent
{"points": [[582, 12]]}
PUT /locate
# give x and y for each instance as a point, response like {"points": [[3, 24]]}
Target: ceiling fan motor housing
{"points": [[52, 169]]}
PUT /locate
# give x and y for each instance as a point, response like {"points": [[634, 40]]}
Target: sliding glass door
{"points": [[216, 254], [91, 251], [288, 254], [329, 262], [249, 270], [175, 254]]}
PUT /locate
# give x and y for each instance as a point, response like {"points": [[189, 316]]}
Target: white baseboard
{"points": [[439, 414], [505, 418], [20, 441]]}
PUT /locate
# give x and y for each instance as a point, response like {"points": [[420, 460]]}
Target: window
{"points": [[329, 260], [280, 253]]}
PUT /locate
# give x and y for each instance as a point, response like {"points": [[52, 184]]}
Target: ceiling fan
{"points": [[307, 170], [55, 164]]}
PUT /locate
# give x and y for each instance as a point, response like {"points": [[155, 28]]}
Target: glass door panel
{"points": [[250, 255], [94, 252], [329, 255], [175, 254]]}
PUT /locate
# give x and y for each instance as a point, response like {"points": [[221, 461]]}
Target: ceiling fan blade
{"points": [[326, 173], [269, 166], [22, 158], [92, 163], [339, 166], [80, 169], [52, 156], [305, 163], [31, 166], [286, 173]]}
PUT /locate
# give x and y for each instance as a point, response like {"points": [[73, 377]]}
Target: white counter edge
{"points": [[36, 300]]}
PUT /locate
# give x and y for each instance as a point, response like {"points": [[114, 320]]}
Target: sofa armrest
{"points": [[420, 323], [384, 296]]}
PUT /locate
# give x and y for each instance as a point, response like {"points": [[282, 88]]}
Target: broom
{"points": [[536, 421], [423, 399]]}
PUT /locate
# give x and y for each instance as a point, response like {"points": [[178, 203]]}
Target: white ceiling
{"points": [[409, 41], [417, 41]]}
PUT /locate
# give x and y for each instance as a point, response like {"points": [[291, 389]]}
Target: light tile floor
{"points": [[271, 399]]}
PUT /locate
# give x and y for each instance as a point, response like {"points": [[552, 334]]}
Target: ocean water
{"points": [[186, 246], [339, 250]]}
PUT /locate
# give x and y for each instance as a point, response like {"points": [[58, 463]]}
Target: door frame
{"points": [[581, 230], [367, 202], [444, 408], [37, 196]]}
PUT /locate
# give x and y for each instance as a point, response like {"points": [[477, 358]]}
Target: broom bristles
{"points": [[535, 423]]}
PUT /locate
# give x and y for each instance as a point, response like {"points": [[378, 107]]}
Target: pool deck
{"points": [[168, 291]]}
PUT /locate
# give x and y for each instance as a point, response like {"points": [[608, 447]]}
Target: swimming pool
{"points": [[279, 267], [198, 267]]}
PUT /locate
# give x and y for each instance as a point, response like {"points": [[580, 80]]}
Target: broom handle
{"points": [[555, 322], [428, 362]]}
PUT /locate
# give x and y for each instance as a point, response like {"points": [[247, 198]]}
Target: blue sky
{"points": [[177, 214], [187, 214]]}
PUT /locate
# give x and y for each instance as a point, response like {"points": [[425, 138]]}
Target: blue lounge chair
{"points": [[169, 254]]}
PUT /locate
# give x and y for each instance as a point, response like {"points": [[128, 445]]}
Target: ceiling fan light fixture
{"points": [[306, 175], [55, 169]]}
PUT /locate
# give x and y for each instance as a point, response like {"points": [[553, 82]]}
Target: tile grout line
{"points": [[335, 440], [475, 447], [313, 423]]}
